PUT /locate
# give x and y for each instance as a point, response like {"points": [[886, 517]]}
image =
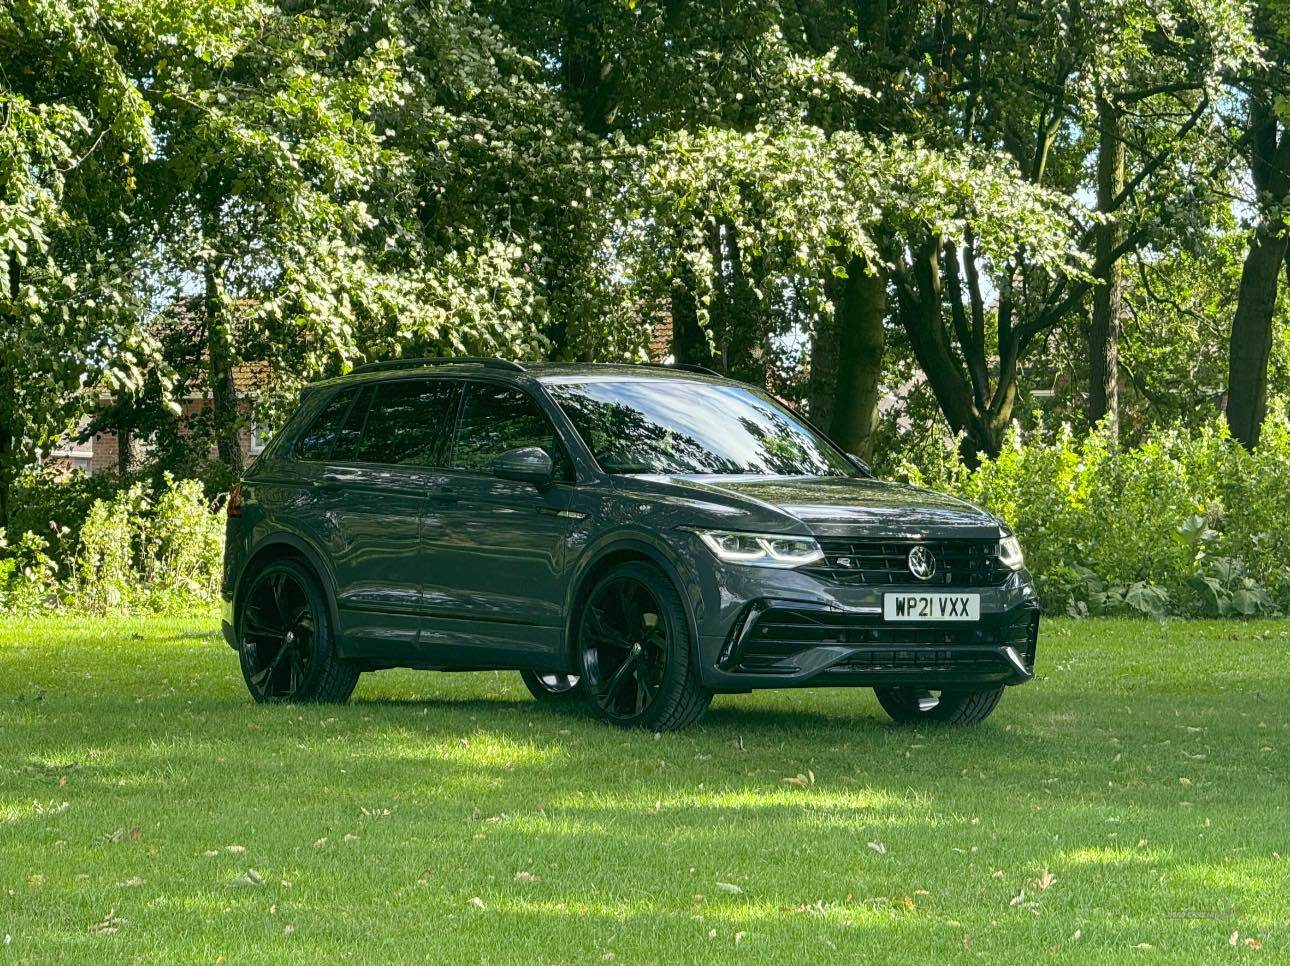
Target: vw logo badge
{"points": [[922, 563]]}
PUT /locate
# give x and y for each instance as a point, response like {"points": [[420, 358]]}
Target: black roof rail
{"points": [[682, 366], [392, 364]]}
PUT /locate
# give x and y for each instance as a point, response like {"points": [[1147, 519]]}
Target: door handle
{"points": [[328, 482], [444, 494]]}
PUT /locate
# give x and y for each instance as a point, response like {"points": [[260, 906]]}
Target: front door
{"points": [[501, 547]]}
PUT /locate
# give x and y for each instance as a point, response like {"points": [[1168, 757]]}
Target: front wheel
{"points": [[918, 706], [285, 639], [637, 662]]}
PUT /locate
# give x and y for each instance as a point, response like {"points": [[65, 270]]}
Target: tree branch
{"points": [[1132, 97]]}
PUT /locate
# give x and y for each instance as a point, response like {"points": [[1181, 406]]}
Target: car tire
{"points": [[635, 650], [553, 688], [286, 645], [960, 708]]}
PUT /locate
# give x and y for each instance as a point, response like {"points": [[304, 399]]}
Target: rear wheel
{"points": [[638, 670], [285, 639], [560, 688], [917, 706]]}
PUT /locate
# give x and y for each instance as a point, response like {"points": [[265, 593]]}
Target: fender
{"points": [[281, 538], [649, 545]]}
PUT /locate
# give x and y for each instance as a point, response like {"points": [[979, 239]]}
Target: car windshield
{"points": [[671, 426]]}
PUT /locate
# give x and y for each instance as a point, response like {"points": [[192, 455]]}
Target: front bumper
{"points": [[828, 636]]}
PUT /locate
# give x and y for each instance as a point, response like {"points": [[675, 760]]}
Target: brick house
{"points": [[101, 453]]}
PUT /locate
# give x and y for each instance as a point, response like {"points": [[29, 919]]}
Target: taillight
{"points": [[235, 501]]}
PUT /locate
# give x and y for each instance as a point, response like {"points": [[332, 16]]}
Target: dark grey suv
{"points": [[636, 537]]}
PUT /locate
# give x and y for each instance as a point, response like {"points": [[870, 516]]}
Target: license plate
{"points": [[931, 607]]}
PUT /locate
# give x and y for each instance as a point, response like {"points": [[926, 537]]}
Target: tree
{"points": [[73, 128], [1266, 142], [1156, 69], [803, 201], [333, 183]]}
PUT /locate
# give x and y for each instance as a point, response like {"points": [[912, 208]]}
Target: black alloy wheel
{"points": [[635, 643], [552, 686], [917, 705], [286, 649]]}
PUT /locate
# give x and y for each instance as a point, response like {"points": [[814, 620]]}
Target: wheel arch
{"points": [[286, 546], [609, 554]]}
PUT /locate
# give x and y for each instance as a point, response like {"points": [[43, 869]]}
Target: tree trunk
{"points": [[824, 371], [587, 71], [1247, 372], [919, 298], [719, 301], [743, 358], [1104, 327], [689, 340], [9, 436], [860, 314], [219, 347], [6, 461], [124, 449], [1251, 344]]}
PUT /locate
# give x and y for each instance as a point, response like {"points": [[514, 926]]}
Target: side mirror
{"points": [[864, 468], [527, 464]]}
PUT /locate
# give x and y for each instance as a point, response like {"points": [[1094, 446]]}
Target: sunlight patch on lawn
{"points": [[1110, 855], [747, 799], [478, 750], [13, 812], [1250, 876], [711, 909]]}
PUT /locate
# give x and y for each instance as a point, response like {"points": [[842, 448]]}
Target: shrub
{"points": [[133, 547], [103, 573], [181, 547], [1185, 523], [28, 576], [55, 506]]}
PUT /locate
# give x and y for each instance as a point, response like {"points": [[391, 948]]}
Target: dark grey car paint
{"points": [[447, 569]]}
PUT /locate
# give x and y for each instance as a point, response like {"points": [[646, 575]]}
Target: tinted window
{"points": [[316, 441], [497, 418], [408, 422], [351, 433], [673, 426]]}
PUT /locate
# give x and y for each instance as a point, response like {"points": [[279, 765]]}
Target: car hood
{"points": [[846, 506]]}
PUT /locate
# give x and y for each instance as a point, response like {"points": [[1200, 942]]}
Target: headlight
{"points": [[761, 549], [1010, 553]]}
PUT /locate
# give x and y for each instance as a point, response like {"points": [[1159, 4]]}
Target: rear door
{"points": [[499, 548], [377, 482]]}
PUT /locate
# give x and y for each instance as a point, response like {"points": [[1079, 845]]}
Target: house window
{"points": [[260, 436]]}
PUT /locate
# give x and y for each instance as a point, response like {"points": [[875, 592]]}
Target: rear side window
{"points": [[317, 441], [497, 418], [408, 422], [351, 434]]}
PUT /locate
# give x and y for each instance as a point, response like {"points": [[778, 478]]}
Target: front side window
{"points": [[671, 426], [408, 422], [495, 419]]}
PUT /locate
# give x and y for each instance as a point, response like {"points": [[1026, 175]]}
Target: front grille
{"points": [[774, 637], [959, 563]]}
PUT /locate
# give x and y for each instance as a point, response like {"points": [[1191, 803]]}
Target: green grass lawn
{"points": [[1137, 795]]}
